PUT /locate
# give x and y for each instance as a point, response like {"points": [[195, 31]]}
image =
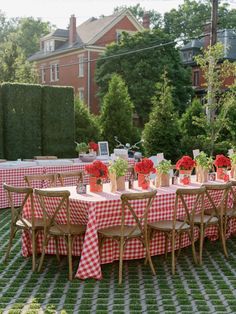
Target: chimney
{"points": [[146, 20], [72, 30], [207, 33]]}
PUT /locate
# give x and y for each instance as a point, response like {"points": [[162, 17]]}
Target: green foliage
{"points": [[81, 147], [164, 166], [58, 121], [86, 125], [142, 70], [218, 103], [233, 158], [204, 161], [116, 115], [119, 167], [190, 18], [161, 133], [22, 120]]}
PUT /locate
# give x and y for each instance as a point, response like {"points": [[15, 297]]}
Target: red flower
{"points": [[185, 163], [93, 145], [145, 166], [222, 161], [97, 169]]}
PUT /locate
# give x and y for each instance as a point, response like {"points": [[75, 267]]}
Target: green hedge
{"points": [[22, 120], [58, 127], [1, 126]]}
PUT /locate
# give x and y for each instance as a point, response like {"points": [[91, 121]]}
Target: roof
{"points": [[87, 33], [195, 43]]}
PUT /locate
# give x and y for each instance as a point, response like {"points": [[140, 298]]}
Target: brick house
{"points": [[68, 57], [227, 37]]}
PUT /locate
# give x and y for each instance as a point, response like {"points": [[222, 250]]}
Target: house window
{"points": [[43, 75], [49, 46], [54, 72], [196, 78], [81, 94], [81, 66]]}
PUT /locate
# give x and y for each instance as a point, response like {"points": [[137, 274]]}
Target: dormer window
{"points": [[49, 46]]}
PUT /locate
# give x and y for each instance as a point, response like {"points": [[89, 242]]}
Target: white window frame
{"points": [[52, 72], [81, 94], [49, 45], [81, 65], [43, 74], [56, 71]]}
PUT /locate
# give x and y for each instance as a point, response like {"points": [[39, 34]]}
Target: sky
{"points": [[58, 11]]}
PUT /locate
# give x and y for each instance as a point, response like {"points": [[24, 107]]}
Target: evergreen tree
{"points": [[116, 115], [161, 133], [86, 125]]}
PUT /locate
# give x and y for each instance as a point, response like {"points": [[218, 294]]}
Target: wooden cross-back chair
{"points": [[52, 204], [231, 212], [123, 233], [18, 222], [38, 181], [215, 212], [77, 176], [192, 201]]}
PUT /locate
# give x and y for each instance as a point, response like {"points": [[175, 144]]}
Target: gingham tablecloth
{"points": [[15, 176], [99, 210]]}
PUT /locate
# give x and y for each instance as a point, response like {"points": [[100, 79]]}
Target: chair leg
{"points": [[45, 241], [202, 233], [12, 235], [149, 236], [148, 255], [166, 245], [57, 249], [222, 236], [121, 260], [33, 250], [193, 246], [173, 253], [69, 246], [180, 243]]}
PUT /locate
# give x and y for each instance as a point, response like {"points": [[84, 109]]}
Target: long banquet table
{"points": [[13, 173], [99, 210]]}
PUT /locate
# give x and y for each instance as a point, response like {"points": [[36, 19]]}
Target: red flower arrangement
{"points": [[145, 166], [97, 169], [222, 161], [93, 145], [185, 163]]}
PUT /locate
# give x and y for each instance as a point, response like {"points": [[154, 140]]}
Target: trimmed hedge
{"points": [[58, 127], [36, 120], [1, 126], [22, 120]]}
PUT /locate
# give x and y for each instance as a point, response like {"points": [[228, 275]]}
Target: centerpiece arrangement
{"points": [[203, 165], [144, 168], [82, 149], [163, 177], [185, 166], [97, 171], [93, 147], [222, 164], [117, 172]]}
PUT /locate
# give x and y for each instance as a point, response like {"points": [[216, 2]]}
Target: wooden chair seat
{"points": [[38, 223], [206, 219], [65, 229], [167, 225], [115, 231]]}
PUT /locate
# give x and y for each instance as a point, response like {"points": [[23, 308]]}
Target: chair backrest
{"points": [[127, 202], [190, 202], [131, 173], [75, 177], [217, 197], [14, 193], [55, 207], [41, 180]]}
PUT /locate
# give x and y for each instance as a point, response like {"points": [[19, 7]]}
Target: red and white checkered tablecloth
{"points": [[15, 176], [99, 210]]}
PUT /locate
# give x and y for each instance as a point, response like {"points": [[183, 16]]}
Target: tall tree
{"points": [[116, 116], [141, 69], [161, 133]]}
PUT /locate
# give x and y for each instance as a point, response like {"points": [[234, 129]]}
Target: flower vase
{"points": [[185, 176], [95, 184], [120, 183], [143, 181], [202, 174], [221, 172], [113, 184], [233, 172], [92, 152]]}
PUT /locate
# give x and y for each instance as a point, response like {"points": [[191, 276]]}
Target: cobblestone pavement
{"points": [[194, 289]]}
